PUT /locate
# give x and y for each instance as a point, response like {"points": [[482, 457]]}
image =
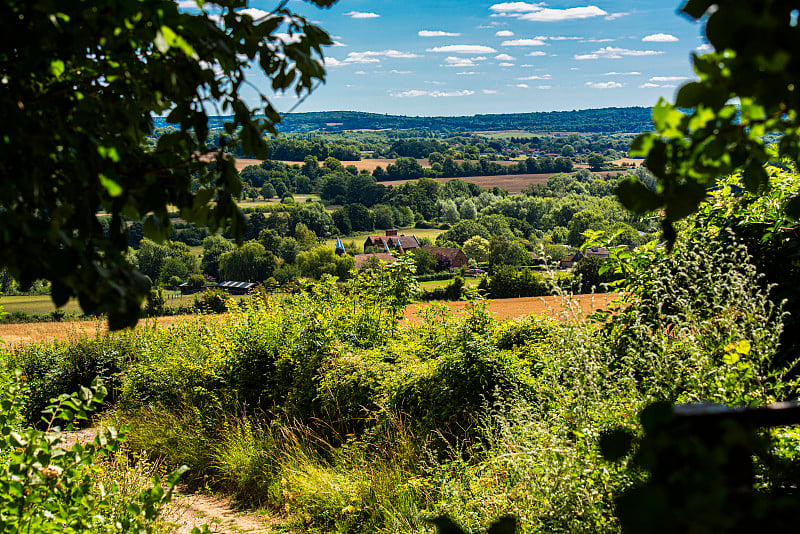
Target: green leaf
{"points": [[656, 415], [656, 161], [730, 358], [755, 178], [113, 188], [667, 119], [642, 144], [504, 525], [615, 444], [57, 68], [445, 525], [690, 94], [637, 197], [697, 8], [792, 208]]}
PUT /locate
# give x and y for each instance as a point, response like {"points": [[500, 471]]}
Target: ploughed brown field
{"points": [[577, 308]]}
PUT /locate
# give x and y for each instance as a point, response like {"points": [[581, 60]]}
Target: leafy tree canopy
{"points": [[81, 82], [707, 133]]}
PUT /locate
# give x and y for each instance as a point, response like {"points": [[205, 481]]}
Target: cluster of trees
{"points": [[608, 120], [297, 149]]}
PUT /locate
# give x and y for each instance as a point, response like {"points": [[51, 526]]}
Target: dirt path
{"points": [[195, 510], [189, 510]]}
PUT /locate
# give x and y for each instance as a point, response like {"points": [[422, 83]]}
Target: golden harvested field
{"points": [[15, 334], [557, 307], [628, 161]]}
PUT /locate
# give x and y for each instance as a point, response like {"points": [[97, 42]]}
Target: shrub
{"points": [[61, 367], [212, 301]]}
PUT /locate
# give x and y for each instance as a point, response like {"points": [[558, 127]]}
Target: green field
{"points": [[360, 237], [470, 281], [40, 304], [273, 201]]}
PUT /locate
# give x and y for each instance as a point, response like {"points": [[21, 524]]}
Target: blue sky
{"points": [[463, 57]]}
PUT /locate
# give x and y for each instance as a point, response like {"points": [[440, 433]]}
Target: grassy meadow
{"points": [[38, 304]]}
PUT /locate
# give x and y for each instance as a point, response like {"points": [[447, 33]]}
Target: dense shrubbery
{"points": [[321, 404]]}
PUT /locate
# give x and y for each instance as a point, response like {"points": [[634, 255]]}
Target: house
{"points": [[453, 258], [188, 289], [392, 243], [568, 262], [236, 288], [591, 252], [365, 260]]}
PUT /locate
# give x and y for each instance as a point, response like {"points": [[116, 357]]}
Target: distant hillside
{"points": [[605, 120]]}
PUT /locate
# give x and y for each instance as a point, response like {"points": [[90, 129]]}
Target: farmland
{"points": [[16, 334]]}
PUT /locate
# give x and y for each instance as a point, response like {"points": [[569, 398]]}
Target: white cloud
{"points": [[435, 94], [516, 7], [488, 91], [705, 47], [437, 33], [521, 85], [561, 38], [615, 16], [453, 61], [470, 73], [538, 13], [507, 64], [556, 15], [187, 4], [574, 68], [631, 73], [544, 86], [289, 39], [360, 73], [524, 42], [660, 38], [362, 15], [394, 71], [612, 52], [667, 78], [368, 56], [504, 33], [648, 85], [504, 57], [536, 53], [463, 49], [542, 77], [253, 12], [604, 85], [598, 40], [434, 82]]}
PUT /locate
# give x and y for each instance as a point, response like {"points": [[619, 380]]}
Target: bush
{"points": [[59, 368], [212, 301]]}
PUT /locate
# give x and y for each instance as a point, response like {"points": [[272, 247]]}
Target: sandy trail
{"points": [[189, 510]]}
